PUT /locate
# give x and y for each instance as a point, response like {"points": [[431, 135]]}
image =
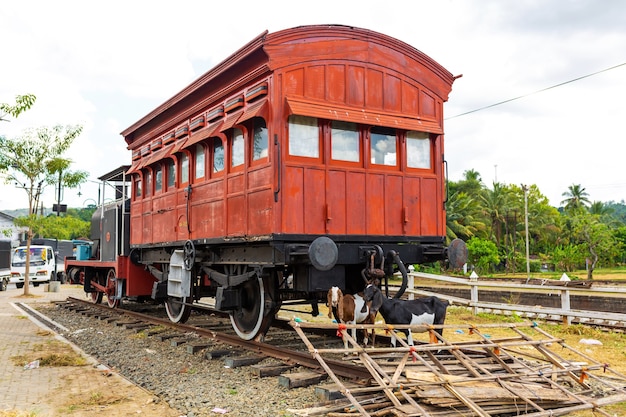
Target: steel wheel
{"points": [[111, 285], [96, 297], [179, 308], [254, 318]]}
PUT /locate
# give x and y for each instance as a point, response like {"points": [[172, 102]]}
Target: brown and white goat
{"points": [[348, 309]]}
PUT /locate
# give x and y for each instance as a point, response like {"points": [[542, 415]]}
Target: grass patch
{"points": [[94, 399], [50, 353]]}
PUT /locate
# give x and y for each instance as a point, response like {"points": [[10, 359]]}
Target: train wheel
{"points": [[112, 284], [96, 297], [254, 317], [179, 308]]}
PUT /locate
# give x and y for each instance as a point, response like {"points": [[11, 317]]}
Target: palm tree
{"points": [[463, 217], [576, 197], [496, 203]]}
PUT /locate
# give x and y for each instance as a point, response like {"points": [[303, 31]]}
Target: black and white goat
{"points": [[350, 309], [427, 310]]}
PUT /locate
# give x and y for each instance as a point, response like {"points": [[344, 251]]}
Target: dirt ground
{"points": [[114, 397], [86, 390]]}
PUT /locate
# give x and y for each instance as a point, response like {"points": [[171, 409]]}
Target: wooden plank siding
{"points": [[328, 72]]}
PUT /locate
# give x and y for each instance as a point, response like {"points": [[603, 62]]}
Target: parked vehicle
{"points": [[43, 265], [62, 249]]}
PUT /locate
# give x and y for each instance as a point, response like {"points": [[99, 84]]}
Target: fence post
{"points": [[565, 306], [411, 286], [474, 297]]}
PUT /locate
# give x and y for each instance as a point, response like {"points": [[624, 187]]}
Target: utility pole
{"points": [[525, 189]]}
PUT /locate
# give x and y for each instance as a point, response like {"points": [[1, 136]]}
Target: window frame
{"points": [[230, 134], [196, 178], [179, 169], [156, 169], [251, 125], [320, 141], [360, 129], [406, 152], [170, 163], [372, 165], [147, 182], [137, 185]]}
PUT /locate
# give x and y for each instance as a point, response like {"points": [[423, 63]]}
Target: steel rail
{"points": [[292, 357]]}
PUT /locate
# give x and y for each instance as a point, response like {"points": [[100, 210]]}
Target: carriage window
{"points": [[417, 150], [184, 169], [137, 186], [304, 137], [237, 148], [171, 173], [199, 161], [260, 139], [148, 182], [383, 146], [218, 155], [345, 142], [158, 179]]}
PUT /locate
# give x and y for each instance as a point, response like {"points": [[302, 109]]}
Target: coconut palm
{"points": [[576, 197]]}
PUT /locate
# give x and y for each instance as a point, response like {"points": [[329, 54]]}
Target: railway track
{"points": [[376, 381], [282, 342]]}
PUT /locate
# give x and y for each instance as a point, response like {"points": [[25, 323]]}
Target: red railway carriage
{"points": [[310, 158]]}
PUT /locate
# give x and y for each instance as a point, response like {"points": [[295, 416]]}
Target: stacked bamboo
{"points": [[522, 371]]}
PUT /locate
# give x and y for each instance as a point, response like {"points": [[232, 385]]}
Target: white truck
{"points": [[43, 265]]}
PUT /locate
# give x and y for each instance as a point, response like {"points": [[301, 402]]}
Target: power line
{"points": [[535, 92]]}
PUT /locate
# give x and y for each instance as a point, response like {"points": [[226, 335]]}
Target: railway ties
{"points": [[212, 336], [476, 371]]}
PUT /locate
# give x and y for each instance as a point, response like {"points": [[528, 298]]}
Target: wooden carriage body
{"points": [[310, 131]]}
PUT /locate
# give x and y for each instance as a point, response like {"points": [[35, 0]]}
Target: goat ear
{"points": [[377, 301]]}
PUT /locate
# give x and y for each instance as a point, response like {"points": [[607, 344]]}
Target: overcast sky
{"points": [[107, 64]]}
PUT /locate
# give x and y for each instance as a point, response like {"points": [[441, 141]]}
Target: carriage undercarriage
{"points": [[251, 282]]}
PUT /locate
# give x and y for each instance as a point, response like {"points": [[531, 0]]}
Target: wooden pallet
{"points": [[522, 371]]}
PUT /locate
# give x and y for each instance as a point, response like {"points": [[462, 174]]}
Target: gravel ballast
{"points": [[188, 382]]}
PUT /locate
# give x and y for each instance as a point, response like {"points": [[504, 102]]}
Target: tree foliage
{"points": [[577, 235], [576, 198], [22, 103], [57, 227], [35, 160], [483, 254], [32, 162]]}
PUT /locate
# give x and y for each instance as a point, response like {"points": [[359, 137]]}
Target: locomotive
{"points": [[312, 157]]}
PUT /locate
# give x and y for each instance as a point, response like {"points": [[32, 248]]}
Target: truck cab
{"points": [[43, 265]]}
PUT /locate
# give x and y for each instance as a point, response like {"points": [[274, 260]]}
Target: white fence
{"points": [[565, 313]]}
